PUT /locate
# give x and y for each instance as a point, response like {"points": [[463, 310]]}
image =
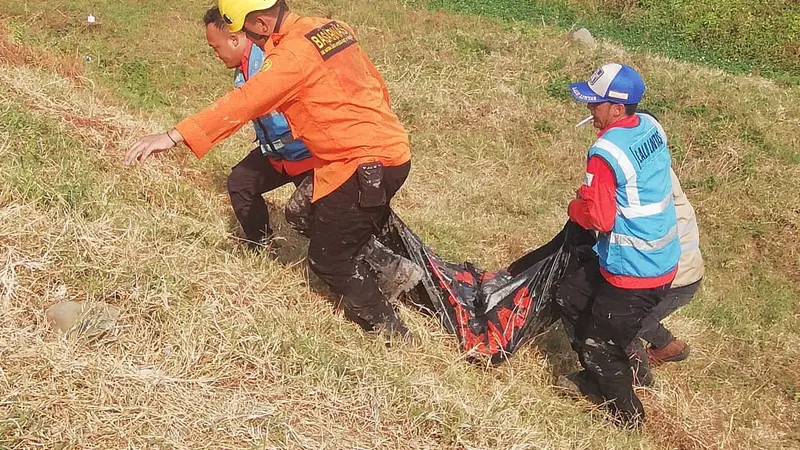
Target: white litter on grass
{"points": [[91, 19]]}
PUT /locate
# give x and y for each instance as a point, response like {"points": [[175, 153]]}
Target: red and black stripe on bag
{"points": [[491, 313]]}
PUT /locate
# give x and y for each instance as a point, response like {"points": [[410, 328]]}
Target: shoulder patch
{"points": [[330, 39]]}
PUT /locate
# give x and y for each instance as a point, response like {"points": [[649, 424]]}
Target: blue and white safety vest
{"points": [[272, 130], [644, 240]]}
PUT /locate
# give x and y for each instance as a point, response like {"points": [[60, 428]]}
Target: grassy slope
{"points": [[220, 349], [741, 36]]}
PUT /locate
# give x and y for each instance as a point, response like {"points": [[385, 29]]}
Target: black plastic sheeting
{"points": [[491, 313]]}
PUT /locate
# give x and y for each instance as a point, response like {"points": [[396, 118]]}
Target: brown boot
{"points": [[675, 351]]}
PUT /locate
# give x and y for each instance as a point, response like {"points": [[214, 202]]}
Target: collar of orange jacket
{"points": [[275, 38]]}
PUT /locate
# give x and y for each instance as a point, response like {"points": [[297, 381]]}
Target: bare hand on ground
{"points": [[154, 143]]}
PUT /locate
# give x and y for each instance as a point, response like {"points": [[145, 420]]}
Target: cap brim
{"points": [[582, 93]]}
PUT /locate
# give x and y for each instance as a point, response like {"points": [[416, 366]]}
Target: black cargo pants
{"points": [[601, 321], [339, 227], [252, 177], [653, 331]]}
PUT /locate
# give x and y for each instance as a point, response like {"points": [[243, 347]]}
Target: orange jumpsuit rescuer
{"points": [[317, 75]]}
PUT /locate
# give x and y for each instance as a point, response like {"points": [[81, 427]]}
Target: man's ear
{"points": [[234, 39], [262, 25]]}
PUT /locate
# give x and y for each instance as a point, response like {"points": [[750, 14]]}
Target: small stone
{"points": [[63, 316], [88, 319], [584, 37]]}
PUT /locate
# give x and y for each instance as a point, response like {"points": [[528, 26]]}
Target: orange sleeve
{"points": [[279, 80]]}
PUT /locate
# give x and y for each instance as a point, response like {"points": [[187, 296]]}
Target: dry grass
{"points": [[17, 54], [220, 349]]}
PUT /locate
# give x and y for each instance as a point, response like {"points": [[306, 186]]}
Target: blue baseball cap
{"points": [[616, 83]]}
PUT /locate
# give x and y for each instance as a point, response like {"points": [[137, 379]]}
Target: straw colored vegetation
{"points": [[218, 348]]}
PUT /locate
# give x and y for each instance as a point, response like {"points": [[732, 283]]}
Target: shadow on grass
{"points": [[555, 345], [291, 247]]}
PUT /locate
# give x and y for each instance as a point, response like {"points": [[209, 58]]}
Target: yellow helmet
{"points": [[235, 11]]}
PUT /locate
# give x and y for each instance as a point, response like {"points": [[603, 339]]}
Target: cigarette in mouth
{"points": [[584, 121]]}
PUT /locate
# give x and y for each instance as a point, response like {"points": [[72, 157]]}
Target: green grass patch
{"points": [[46, 167], [144, 52], [740, 36]]}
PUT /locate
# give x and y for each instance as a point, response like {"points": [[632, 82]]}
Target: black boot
{"points": [[640, 364]]}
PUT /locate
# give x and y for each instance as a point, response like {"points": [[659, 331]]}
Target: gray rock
{"points": [[584, 37], [88, 319], [63, 316]]}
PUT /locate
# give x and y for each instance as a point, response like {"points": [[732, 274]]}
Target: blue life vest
{"points": [[272, 130], [644, 240]]}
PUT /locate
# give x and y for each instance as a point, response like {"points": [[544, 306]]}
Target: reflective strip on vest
{"points": [[655, 123], [646, 210], [644, 240], [641, 244], [631, 188], [635, 208]]}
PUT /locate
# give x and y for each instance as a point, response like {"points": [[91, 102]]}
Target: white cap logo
{"points": [[596, 76], [601, 79]]}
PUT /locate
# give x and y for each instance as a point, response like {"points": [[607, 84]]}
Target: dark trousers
{"points": [[339, 229], [252, 177], [653, 331], [602, 321]]}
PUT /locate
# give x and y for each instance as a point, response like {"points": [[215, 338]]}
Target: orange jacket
{"points": [[334, 99], [292, 168]]}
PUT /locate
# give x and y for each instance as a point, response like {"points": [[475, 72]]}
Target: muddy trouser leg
{"points": [[652, 330], [253, 176], [615, 322], [396, 274], [574, 299], [339, 229], [298, 208]]}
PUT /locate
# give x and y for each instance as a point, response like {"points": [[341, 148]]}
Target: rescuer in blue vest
{"points": [[627, 199], [278, 159]]}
